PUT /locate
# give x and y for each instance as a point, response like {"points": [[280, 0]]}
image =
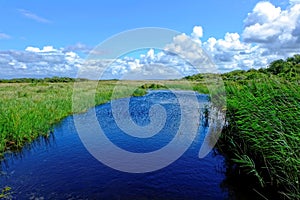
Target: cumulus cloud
{"points": [[30, 15], [49, 61], [230, 53], [197, 31], [35, 62], [151, 65], [191, 51], [44, 50], [273, 28], [262, 13], [78, 47], [270, 33]]}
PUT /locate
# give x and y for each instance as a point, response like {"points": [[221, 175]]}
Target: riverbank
{"points": [[62, 168], [30, 108], [262, 133], [262, 137]]}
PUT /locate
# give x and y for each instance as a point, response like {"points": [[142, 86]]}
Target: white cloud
{"points": [[150, 54], [190, 50], [4, 36], [231, 53], [150, 66], [44, 50], [49, 61], [33, 16], [78, 47], [270, 33], [35, 62], [197, 31], [294, 2], [274, 29], [263, 12]]}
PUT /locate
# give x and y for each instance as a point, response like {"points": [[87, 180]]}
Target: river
{"points": [[61, 167]]}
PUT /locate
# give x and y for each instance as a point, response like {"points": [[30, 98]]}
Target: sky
{"points": [[55, 38]]}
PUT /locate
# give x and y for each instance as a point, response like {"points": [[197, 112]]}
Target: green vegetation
{"points": [[263, 132], [142, 90], [262, 135], [28, 110], [54, 79], [5, 193], [288, 69]]}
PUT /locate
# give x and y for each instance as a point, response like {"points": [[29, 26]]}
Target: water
{"points": [[62, 168]]}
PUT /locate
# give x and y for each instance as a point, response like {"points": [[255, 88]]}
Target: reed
{"points": [[262, 136]]}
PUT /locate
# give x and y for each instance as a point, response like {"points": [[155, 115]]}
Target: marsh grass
{"points": [[263, 134], [29, 110]]}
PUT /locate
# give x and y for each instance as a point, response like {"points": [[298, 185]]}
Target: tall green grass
{"points": [[262, 135], [29, 110]]}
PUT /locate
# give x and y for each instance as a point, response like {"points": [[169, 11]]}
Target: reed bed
{"points": [[262, 135]]}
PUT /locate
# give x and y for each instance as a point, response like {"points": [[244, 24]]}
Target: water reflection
{"points": [[15, 154]]}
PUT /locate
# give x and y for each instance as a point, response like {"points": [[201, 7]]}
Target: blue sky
{"points": [[61, 33]]}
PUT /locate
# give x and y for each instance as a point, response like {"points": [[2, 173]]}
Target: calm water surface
{"points": [[62, 168]]}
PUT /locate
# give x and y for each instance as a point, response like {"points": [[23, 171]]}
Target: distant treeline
{"points": [[288, 69], [54, 79]]}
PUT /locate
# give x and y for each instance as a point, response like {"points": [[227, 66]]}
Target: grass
{"points": [[262, 136], [28, 110]]}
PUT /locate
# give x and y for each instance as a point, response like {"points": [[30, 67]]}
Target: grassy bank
{"points": [[262, 136], [263, 133], [28, 110], [261, 139]]}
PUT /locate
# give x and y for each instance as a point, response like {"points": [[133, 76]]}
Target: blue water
{"points": [[62, 168]]}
